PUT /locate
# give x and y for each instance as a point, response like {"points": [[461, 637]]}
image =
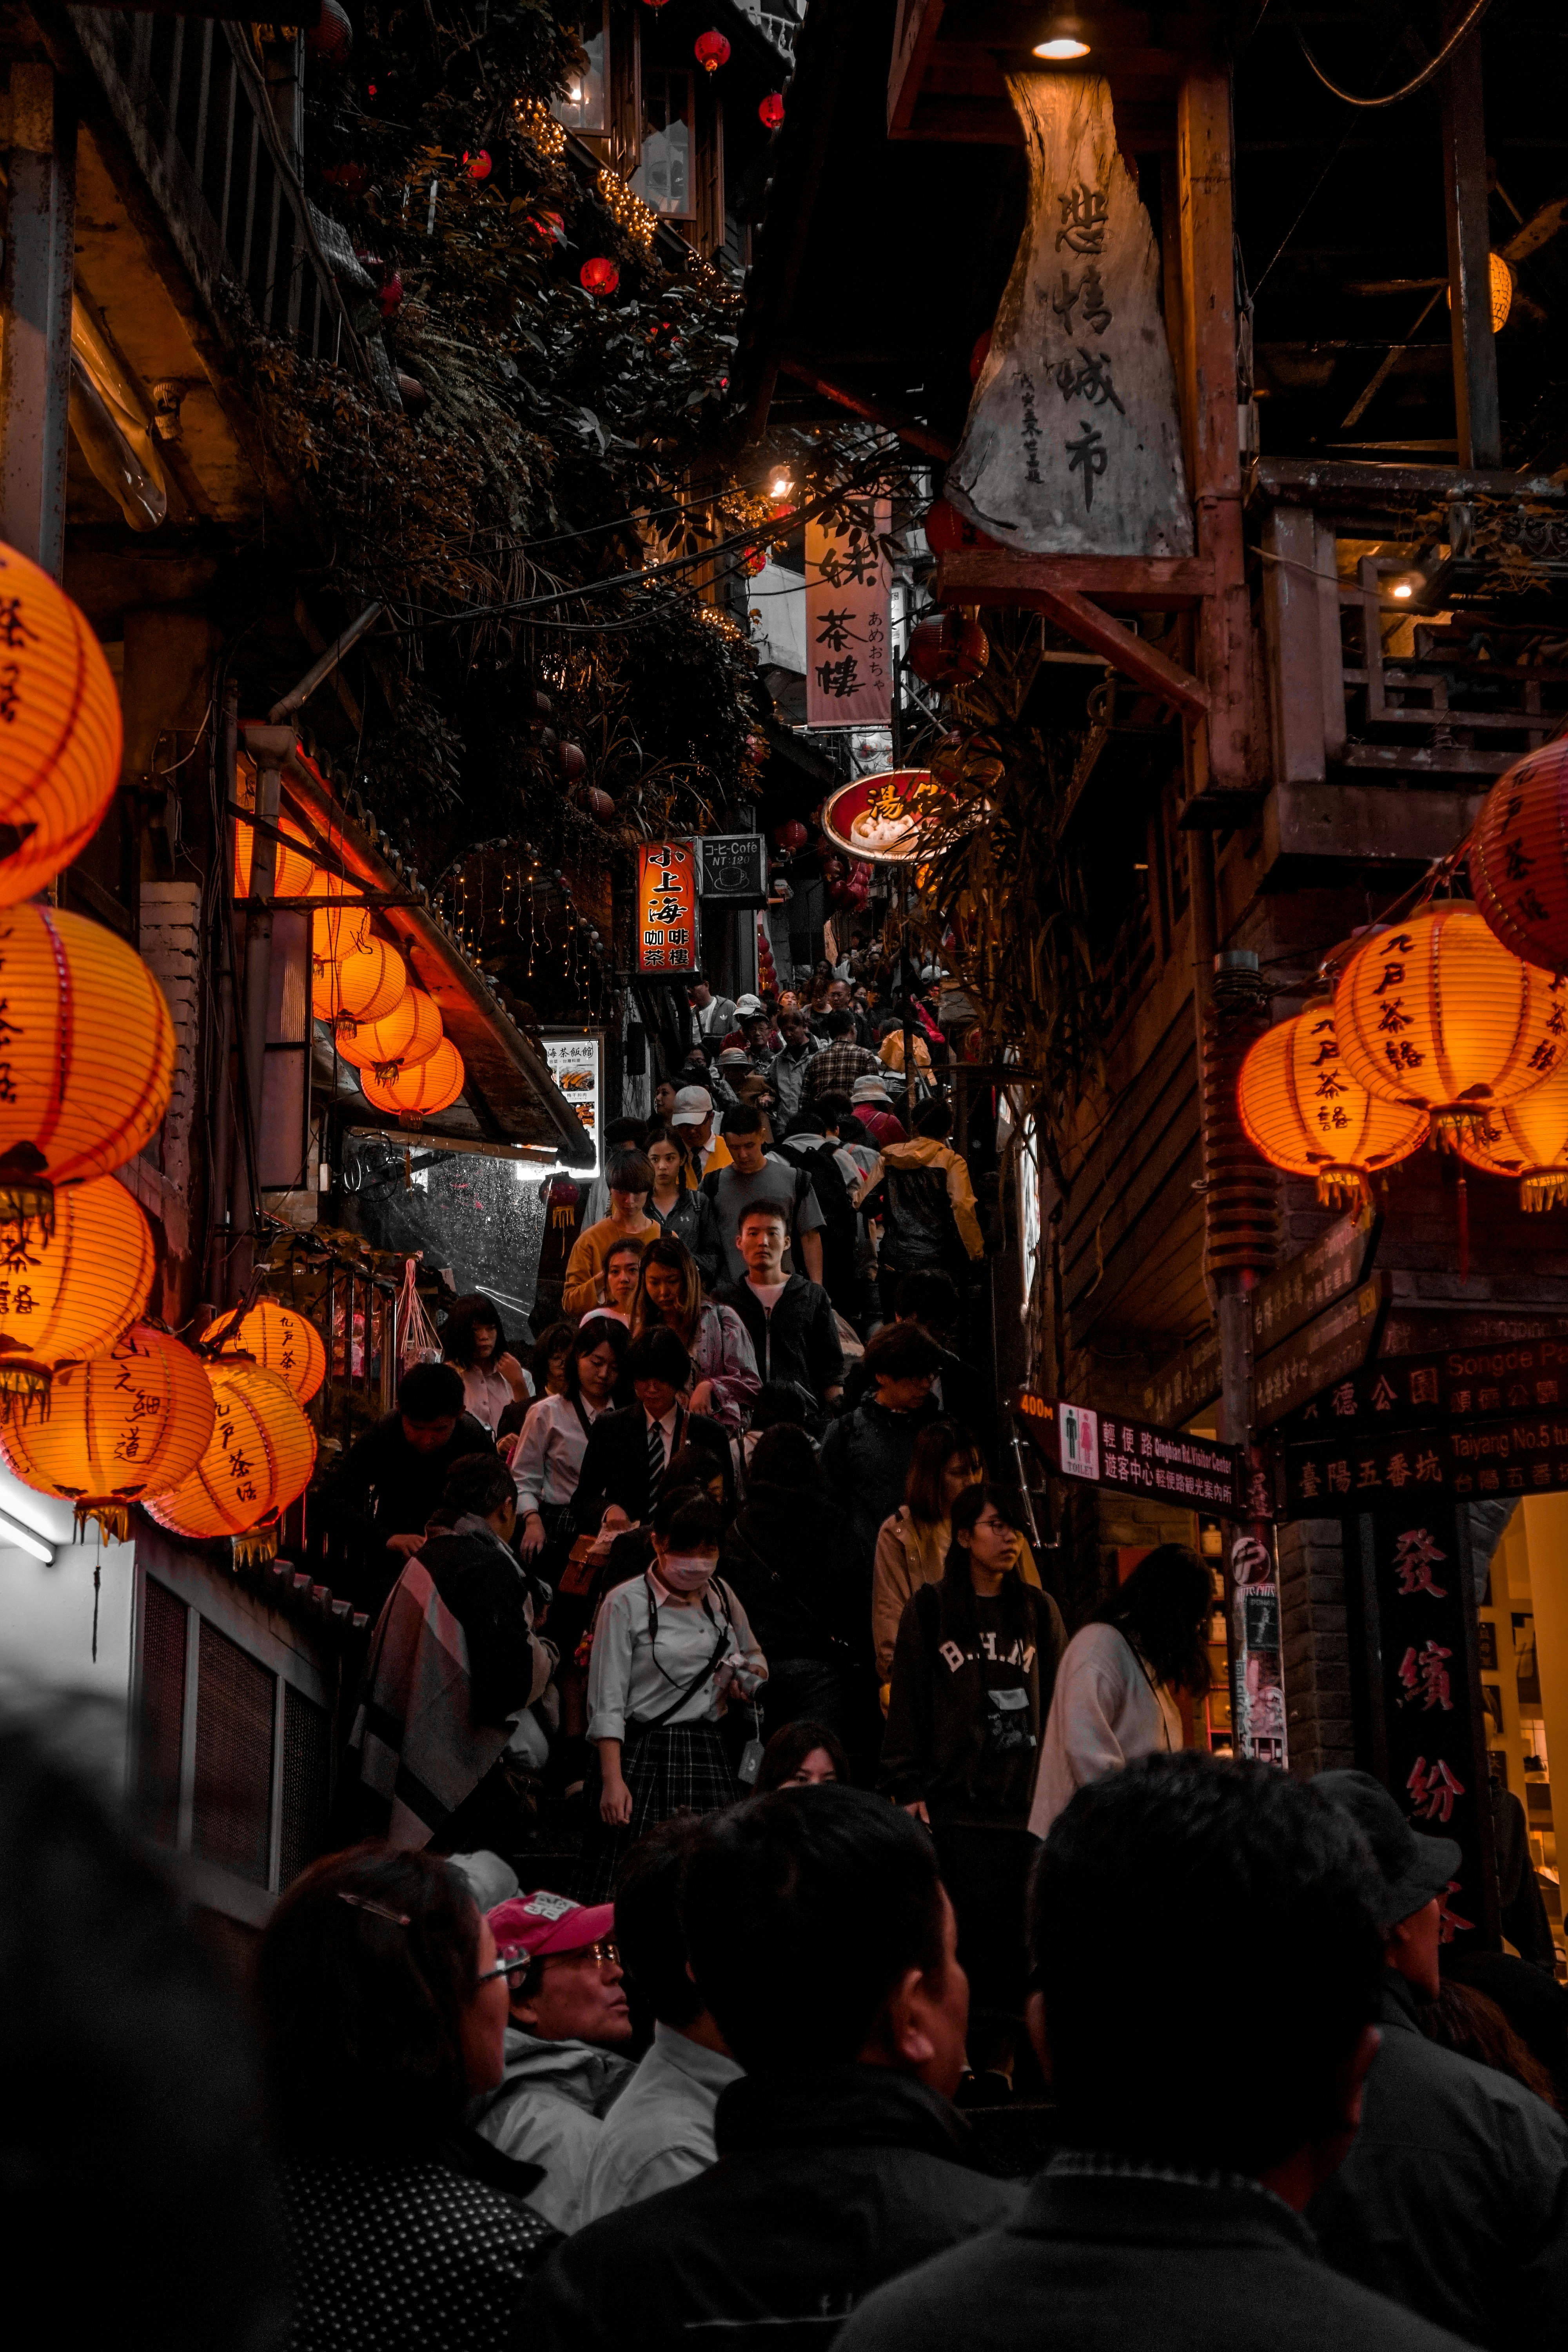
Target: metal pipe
{"points": [[225, 1108], [284, 710]]}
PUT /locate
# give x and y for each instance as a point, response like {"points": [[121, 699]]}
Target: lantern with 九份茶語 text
{"points": [[435, 1084], [1303, 1111], [1528, 1142], [1435, 1012], [86, 1057], [71, 1292], [60, 729], [121, 1425], [1518, 857], [363, 986], [256, 1462], [401, 1039], [277, 1337]]}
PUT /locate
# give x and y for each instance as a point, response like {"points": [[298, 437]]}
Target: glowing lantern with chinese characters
{"points": [[123, 1424], [86, 1057], [274, 1337], [599, 275], [256, 1462], [710, 51], [1527, 1140], [363, 986], [434, 1085], [1304, 1113], [59, 729], [1518, 857], [1437, 1012], [401, 1039], [71, 1292], [771, 112]]}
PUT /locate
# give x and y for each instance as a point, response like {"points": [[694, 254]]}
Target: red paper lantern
{"points": [[480, 166], [60, 761], [571, 760], [133, 1421], [598, 803], [979, 355], [389, 295], [277, 1337], [771, 110], [332, 37], [790, 837], [256, 1462], [600, 275], [753, 562], [949, 649], [1518, 858], [710, 51], [947, 530], [548, 229], [354, 179]]}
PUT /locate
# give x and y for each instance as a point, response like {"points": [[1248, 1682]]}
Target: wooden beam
{"points": [[1477, 419], [1095, 628], [876, 411], [1119, 583], [914, 37]]}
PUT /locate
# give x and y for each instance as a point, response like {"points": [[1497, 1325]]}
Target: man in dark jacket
{"points": [[865, 1456], [383, 1491], [629, 1452], [824, 1945], [794, 1335], [1170, 2218], [1454, 2198]]}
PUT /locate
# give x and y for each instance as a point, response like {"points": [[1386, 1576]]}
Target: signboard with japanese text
{"points": [[667, 941], [576, 1064], [1167, 1465], [848, 624], [1322, 1352], [732, 869], [1327, 1269]]}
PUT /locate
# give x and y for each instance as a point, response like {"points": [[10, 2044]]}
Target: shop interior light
{"points": [[1065, 37], [781, 486], [1401, 589]]}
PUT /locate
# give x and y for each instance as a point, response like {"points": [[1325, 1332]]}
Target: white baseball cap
{"points": [[748, 1004], [692, 1106]]}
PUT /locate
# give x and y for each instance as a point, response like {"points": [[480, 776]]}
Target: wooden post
{"points": [[36, 348], [1208, 389], [1478, 421]]}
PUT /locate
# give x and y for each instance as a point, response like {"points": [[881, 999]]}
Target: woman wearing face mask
{"points": [[669, 1651], [548, 1462], [677, 1206], [670, 1291], [472, 1339]]}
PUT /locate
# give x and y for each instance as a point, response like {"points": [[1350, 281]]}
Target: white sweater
{"points": [[1104, 1712]]}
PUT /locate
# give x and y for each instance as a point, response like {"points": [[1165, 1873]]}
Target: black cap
{"points": [[1413, 1866]]}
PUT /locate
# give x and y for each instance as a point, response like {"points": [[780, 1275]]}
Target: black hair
{"points": [[899, 1351], [743, 1119], [934, 1118], [430, 1392], [763, 1207], [588, 1339], [626, 1131], [927, 1296], [689, 1516], [785, 1456], [1258, 1880], [840, 1024], [777, 1401], [476, 1483], [457, 1331], [657, 1354], [686, 1472], [1164, 1609], [802, 1910], [555, 1339], [960, 1617], [788, 1748], [805, 1122], [163, 2062], [628, 1171], [362, 2013], [649, 1933], [630, 1245]]}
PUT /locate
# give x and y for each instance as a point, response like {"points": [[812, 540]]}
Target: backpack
{"points": [[840, 1223]]}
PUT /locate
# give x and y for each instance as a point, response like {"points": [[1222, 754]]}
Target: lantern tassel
{"points": [[31, 1384], [256, 1546], [106, 1512], [1464, 1231], [26, 1196], [1340, 1188], [1543, 1188]]}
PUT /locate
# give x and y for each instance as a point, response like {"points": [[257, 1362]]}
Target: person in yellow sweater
{"points": [[630, 1179], [912, 1546]]}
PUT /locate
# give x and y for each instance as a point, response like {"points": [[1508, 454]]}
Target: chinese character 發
{"points": [[1414, 1557]]}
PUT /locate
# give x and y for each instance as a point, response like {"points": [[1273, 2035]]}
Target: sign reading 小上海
{"points": [[732, 869], [848, 622], [1110, 1451], [666, 943]]}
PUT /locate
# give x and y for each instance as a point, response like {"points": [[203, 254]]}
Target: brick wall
{"points": [[1315, 1636]]}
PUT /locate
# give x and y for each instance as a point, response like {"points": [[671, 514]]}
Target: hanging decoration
{"points": [[73, 1292], [61, 741], [767, 971], [295, 875], [1528, 1142], [949, 649], [277, 1337], [121, 1425], [771, 112], [1303, 1112], [332, 34], [86, 1057], [1435, 1012], [479, 166], [337, 930], [363, 986], [710, 51], [402, 1038], [257, 1460], [435, 1084], [1518, 857], [599, 275]]}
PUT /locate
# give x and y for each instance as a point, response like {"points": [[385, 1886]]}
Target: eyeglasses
{"points": [[518, 1964]]}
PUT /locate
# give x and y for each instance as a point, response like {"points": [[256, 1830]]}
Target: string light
{"points": [[626, 208], [535, 120]]}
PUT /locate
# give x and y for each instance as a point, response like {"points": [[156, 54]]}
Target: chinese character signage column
{"points": [[848, 665], [667, 908], [1072, 444], [1424, 1622]]}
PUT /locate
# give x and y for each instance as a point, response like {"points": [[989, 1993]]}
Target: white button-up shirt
{"points": [[660, 2131], [548, 1462]]}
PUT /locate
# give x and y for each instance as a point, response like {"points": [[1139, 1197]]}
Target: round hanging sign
{"points": [[887, 818]]}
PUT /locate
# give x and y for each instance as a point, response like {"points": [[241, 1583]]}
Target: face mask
{"points": [[685, 1575]]}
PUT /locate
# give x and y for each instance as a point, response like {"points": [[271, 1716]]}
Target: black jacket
{"points": [[866, 1458], [799, 1341], [790, 1559], [823, 2189], [384, 1487], [615, 1466], [487, 1593], [1134, 2263], [692, 1221], [945, 1742], [961, 1393], [1453, 2198]]}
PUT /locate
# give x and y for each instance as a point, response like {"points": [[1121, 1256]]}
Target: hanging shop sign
{"points": [[1457, 1387], [1336, 1264], [887, 819], [732, 869], [848, 634], [576, 1060], [1186, 1384], [1514, 1453], [667, 941], [1320, 1353], [1257, 1676], [1106, 1449]]}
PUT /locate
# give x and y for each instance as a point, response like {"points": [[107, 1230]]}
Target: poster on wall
{"points": [[666, 946], [848, 623], [576, 1060]]}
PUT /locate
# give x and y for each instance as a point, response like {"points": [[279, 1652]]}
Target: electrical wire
{"points": [[1428, 73]]}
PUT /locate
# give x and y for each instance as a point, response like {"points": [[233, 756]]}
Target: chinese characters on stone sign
{"points": [[849, 584]]}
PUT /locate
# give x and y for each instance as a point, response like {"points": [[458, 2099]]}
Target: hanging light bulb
{"points": [[1065, 38]]}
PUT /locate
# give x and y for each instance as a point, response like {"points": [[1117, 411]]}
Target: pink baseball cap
{"points": [[542, 1923]]}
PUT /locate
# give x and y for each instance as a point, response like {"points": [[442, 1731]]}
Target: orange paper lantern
{"points": [[256, 1462], [401, 1039], [59, 729], [1518, 857], [1527, 1140], [434, 1085], [295, 875], [276, 1336], [71, 1292], [1303, 1111], [86, 1057], [363, 986], [336, 931], [1435, 1012], [121, 1425]]}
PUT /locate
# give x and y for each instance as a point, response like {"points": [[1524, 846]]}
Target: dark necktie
{"points": [[655, 1458]]}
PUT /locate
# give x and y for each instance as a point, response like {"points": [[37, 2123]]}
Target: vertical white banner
{"points": [[848, 636]]}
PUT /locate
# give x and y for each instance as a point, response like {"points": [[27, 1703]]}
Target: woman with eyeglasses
{"points": [[974, 1667], [381, 2016]]}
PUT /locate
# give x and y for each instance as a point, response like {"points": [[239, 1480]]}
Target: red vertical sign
{"points": [[667, 908]]}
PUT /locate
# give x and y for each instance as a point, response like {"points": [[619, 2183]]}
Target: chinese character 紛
{"points": [[1090, 453], [1432, 1790], [1425, 1675], [1414, 1557], [1086, 216]]}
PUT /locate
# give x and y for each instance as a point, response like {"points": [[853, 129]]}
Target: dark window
{"points": [[307, 1783], [234, 1759], [162, 1710]]}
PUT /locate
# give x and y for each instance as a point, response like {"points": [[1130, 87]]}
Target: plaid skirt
{"points": [[678, 1768]]}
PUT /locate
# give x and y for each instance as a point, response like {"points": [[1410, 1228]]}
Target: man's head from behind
{"points": [[1417, 1869], [745, 1133], [1257, 1882], [648, 1921], [840, 1024], [820, 1937], [429, 1401]]}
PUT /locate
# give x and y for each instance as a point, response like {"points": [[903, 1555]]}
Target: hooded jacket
{"points": [[790, 1559], [956, 1737], [926, 1202], [547, 2109], [824, 2189], [866, 1458]]}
